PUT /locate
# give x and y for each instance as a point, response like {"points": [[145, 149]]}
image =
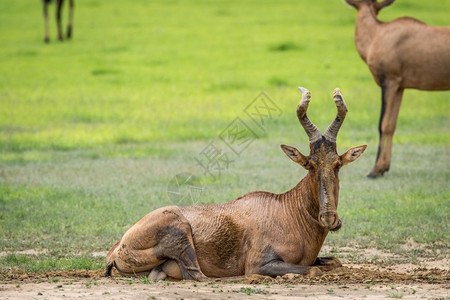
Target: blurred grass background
{"points": [[92, 130]]}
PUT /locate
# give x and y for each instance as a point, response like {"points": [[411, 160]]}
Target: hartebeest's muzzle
{"points": [[330, 220], [328, 217]]}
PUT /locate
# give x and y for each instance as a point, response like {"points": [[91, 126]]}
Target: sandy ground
{"points": [[426, 278], [110, 290], [348, 282]]}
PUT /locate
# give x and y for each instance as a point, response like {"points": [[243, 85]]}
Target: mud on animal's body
{"points": [[258, 233]]}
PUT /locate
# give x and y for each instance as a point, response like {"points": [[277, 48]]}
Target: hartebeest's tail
{"points": [[110, 260], [109, 269]]}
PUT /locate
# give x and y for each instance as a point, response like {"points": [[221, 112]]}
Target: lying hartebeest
{"points": [[59, 4], [258, 233], [404, 53]]}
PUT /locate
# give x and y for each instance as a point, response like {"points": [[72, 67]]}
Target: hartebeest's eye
{"points": [[310, 164], [336, 165]]}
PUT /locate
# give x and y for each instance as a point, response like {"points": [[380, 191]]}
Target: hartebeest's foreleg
{"points": [[391, 97], [273, 265], [279, 268], [327, 263], [59, 4], [45, 5], [69, 24]]}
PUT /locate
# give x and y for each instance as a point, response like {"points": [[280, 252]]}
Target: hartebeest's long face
{"points": [[323, 162]]}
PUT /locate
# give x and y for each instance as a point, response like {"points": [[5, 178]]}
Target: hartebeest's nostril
{"points": [[329, 220], [338, 226]]}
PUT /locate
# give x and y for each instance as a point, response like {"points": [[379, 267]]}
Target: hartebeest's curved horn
{"points": [[311, 130], [333, 129]]}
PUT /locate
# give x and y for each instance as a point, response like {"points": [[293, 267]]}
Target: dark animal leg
{"points": [[46, 37], [69, 25], [391, 97], [279, 268], [59, 4], [273, 265], [189, 265], [175, 242], [327, 263]]}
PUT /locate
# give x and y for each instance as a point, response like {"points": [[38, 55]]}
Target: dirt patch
{"points": [[350, 282], [112, 290], [25, 252], [407, 268], [99, 254], [343, 275], [433, 258], [381, 275]]}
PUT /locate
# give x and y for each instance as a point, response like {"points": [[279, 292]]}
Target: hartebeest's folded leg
{"points": [[163, 237], [327, 263], [177, 244], [272, 264], [276, 268]]}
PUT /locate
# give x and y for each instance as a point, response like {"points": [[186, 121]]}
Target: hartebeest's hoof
{"points": [[69, 32], [377, 173], [327, 263], [314, 271], [373, 175], [333, 262], [157, 274], [257, 279]]}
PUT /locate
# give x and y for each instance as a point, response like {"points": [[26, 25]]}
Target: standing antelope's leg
{"points": [[59, 4], [45, 4], [327, 263], [391, 97], [69, 24]]}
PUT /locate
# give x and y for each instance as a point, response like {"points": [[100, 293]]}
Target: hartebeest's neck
{"points": [[304, 205], [366, 27]]}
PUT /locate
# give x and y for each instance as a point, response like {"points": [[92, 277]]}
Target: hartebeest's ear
{"points": [[352, 3], [352, 154], [295, 155], [379, 5]]}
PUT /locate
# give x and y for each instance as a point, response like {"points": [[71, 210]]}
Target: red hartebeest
{"points": [[258, 233], [404, 53]]}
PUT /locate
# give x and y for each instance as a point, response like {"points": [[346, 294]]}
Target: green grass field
{"points": [[93, 130]]}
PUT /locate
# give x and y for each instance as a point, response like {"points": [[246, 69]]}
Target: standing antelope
{"points": [[258, 233], [404, 53], [59, 4]]}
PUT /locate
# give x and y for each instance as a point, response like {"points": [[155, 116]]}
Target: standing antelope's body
{"points": [[404, 53], [59, 4], [258, 233]]}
